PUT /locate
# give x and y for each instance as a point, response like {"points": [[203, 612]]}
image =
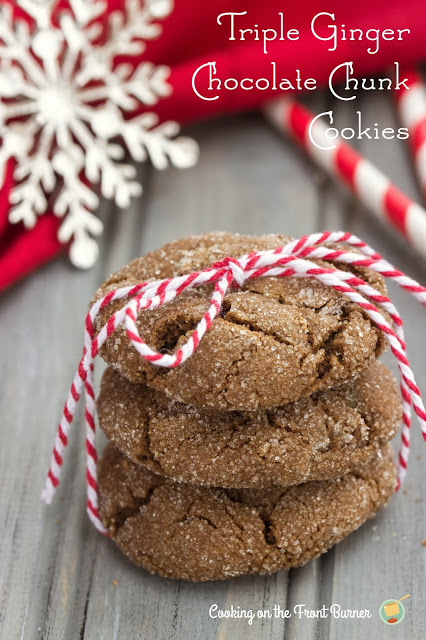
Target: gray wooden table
{"points": [[59, 578]]}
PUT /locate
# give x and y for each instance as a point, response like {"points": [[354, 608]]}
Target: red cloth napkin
{"points": [[191, 37]]}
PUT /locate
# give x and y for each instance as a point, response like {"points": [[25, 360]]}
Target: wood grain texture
{"points": [[62, 580]]}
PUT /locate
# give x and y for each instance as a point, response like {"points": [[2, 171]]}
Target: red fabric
{"points": [[192, 37]]}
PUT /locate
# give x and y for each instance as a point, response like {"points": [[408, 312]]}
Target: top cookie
{"points": [[275, 340]]}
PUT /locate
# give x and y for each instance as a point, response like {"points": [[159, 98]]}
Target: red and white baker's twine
{"points": [[411, 106], [374, 190], [286, 261]]}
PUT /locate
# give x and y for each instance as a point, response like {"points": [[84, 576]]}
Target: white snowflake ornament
{"points": [[64, 112]]}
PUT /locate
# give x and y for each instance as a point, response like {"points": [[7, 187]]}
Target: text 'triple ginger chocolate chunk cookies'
{"points": [[276, 339], [319, 437], [204, 533]]}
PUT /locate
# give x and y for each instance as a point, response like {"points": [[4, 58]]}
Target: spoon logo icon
{"points": [[393, 611]]}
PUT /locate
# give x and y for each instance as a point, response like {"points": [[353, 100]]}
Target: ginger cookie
{"points": [[199, 533], [275, 340], [315, 438]]}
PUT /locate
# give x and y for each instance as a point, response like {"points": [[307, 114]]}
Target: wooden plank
{"points": [[47, 553]]}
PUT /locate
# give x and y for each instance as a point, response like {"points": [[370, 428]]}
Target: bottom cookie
{"points": [[201, 533]]}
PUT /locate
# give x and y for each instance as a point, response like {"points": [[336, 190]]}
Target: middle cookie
{"points": [[316, 438]]}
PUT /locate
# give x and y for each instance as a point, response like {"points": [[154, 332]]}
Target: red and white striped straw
{"points": [[292, 260], [369, 184], [411, 107]]}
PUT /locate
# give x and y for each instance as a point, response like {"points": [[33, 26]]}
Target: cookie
{"points": [[199, 533], [315, 438], [276, 340]]}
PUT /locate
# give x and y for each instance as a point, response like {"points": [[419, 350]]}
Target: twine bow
{"points": [[290, 260]]}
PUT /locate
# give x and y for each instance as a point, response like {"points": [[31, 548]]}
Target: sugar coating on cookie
{"points": [[199, 533], [315, 438], [275, 340]]}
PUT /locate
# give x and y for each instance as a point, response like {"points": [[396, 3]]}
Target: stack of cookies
{"points": [[263, 449]]}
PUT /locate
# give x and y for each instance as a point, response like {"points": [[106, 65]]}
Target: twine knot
{"points": [[237, 270]]}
